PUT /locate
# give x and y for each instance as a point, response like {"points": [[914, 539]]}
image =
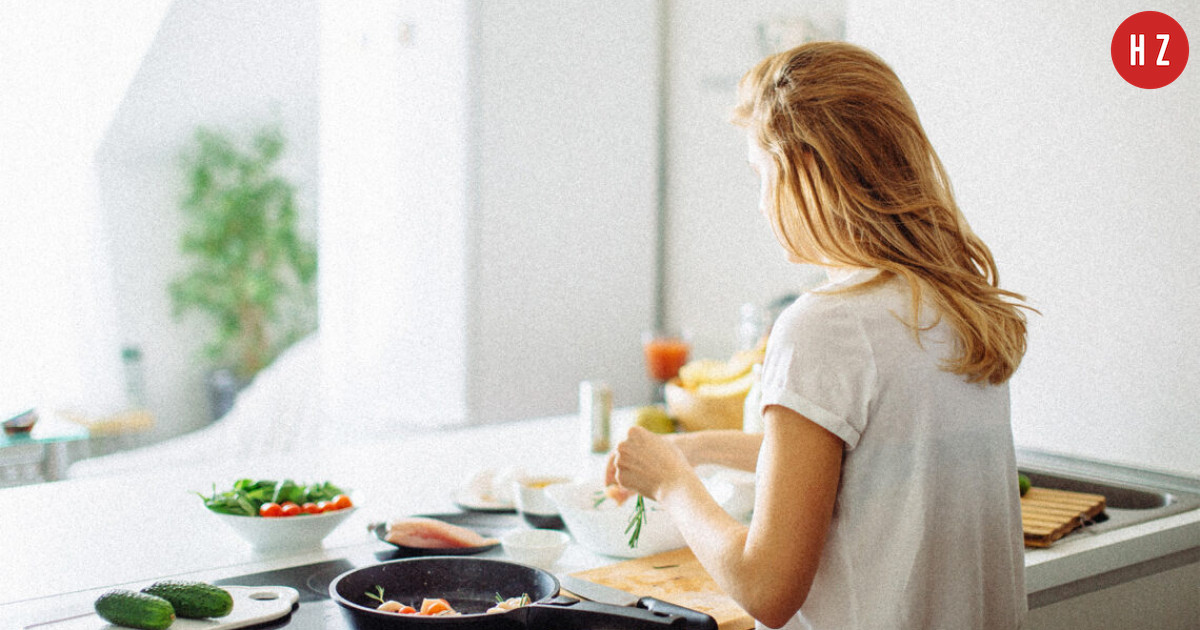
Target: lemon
{"points": [[655, 419]]}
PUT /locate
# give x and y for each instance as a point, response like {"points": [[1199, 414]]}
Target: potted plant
{"points": [[251, 272]]}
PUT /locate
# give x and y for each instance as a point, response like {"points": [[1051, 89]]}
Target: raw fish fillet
{"points": [[430, 533]]}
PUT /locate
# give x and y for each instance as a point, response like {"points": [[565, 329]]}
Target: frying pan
{"points": [[471, 586]]}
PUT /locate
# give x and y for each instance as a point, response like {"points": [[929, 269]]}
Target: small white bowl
{"points": [[601, 528], [540, 548], [304, 531], [534, 505]]}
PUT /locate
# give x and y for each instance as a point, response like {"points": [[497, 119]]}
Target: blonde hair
{"points": [[857, 183]]}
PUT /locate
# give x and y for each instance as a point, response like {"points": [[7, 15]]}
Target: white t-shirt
{"points": [[926, 530]]}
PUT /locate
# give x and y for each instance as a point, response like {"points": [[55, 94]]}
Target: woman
{"points": [[886, 479]]}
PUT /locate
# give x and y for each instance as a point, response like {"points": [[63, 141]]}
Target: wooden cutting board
{"points": [[676, 577], [1047, 515]]}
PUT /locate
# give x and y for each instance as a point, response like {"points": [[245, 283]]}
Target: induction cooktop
{"points": [[315, 610]]}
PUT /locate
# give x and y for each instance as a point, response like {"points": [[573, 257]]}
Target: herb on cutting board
{"points": [[247, 495]]}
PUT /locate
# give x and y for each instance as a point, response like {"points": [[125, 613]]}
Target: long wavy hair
{"points": [[857, 183]]}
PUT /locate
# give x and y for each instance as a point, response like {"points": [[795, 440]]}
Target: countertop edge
{"points": [[1082, 555]]}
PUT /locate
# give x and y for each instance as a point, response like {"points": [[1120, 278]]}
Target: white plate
{"points": [[466, 500]]}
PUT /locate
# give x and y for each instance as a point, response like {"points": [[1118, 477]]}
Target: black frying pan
{"points": [[471, 586]]}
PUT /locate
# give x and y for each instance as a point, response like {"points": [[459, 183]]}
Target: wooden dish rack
{"points": [[1047, 515]]}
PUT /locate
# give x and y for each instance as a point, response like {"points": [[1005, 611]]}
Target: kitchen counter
{"points": [[65, 542]]}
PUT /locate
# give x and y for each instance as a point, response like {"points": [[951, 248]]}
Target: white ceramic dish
{"points": [[540, 548], [733, 490], [471, 503], [534, 505], [305, 531], [489, 490], [601, 528]]}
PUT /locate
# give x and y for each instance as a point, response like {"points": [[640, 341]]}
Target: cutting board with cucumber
{"points": [[252, 605]]}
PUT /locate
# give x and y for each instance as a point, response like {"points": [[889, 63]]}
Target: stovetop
{"points": [[316, 611]]}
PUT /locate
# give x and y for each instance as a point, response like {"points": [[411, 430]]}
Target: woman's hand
{"points": [[644, 462]]}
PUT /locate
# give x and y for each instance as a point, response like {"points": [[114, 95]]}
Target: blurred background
{"points": [[503, 195]]}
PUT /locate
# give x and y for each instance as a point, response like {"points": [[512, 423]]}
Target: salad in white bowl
{"points": [[284, 514]]}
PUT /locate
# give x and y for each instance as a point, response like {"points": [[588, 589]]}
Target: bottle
{"points": [[752, 326], [135, 383], [595, 414]]}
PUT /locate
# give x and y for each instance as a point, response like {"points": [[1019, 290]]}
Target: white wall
{"points": [[487, 207], [63, 70], [1086, 188], [720, 251], [231, 67], [562, 273], [394, 200]]}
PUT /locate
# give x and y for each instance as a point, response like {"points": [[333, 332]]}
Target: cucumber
{"points": [[193, 600], [135, 610]]}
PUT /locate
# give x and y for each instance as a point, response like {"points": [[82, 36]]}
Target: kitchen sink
{"points": [[1131, 495]]}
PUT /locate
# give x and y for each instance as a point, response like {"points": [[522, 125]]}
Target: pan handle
{"points": [[694, 619], [567, 613]]}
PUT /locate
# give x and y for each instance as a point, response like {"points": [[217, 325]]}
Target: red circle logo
{"points": [[1149, 49]]}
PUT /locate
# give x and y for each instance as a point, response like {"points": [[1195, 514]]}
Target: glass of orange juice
{"points": [[665, 351]]}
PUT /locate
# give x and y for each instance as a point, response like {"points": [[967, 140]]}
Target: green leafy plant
{"points": [[251, 271]]}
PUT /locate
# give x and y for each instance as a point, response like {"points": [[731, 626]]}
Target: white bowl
{"points": [[536, 547], [601, 528], [304, 531], [532, 502], [734, 491]]}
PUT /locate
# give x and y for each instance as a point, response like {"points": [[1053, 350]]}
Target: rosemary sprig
{"points": [[379, 597], [636, 521]]}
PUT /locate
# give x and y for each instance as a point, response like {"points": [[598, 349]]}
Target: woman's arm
{"points": [[732, 448], [768, 567]]}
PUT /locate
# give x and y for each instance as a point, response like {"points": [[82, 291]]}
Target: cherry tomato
{"points": [[290, 509], [341, 502], [310, 508], [324, 506], [270, 510]]}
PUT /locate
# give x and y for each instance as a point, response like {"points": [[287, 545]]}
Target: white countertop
{"points": [[64, 542]]}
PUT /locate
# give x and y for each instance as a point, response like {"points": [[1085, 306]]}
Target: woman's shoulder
{"points": [[851, 303], [816, 315], [845, 291]]}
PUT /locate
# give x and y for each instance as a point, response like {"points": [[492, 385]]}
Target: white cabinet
{"points": [[492, 241], [1166, 600]]}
